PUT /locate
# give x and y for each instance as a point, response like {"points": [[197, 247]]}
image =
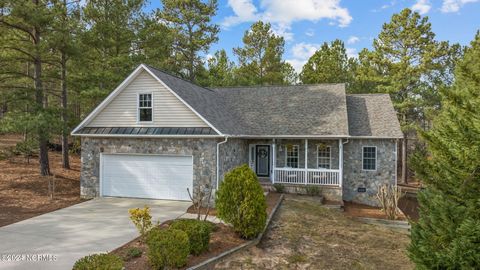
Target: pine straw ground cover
{"points": [[304, 235], [24, 193]]}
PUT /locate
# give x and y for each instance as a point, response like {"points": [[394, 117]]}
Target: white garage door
{"points": [[146, 176]]}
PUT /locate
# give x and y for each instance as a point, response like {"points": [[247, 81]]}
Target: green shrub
{"points": [[142, 219], [279, 188], [99, 261], [167, 248], [198, 233], [313, 190], [133, 252], [240, 201]]}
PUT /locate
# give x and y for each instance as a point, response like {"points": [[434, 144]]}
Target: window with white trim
{"points": [[145, 109], [323, 157], [369, 158], [291, 155]]}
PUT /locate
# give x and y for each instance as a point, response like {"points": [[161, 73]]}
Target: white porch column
{"points": [[340, 162], [306, 161], [274, 160]]}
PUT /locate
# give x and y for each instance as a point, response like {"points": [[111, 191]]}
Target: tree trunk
{"points": [[40, 98], [65, 158]]}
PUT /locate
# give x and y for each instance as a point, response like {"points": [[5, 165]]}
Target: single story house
{"points": [[157, 135]]}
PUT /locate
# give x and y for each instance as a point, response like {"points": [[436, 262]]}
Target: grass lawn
{"points": [[24, 193], [304, 235]]}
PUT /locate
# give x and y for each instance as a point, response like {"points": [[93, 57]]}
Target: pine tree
{"points": [[329, 64], [220, 70], [24, 50], [447, 236], [260, 59], [192, 32], [404, 60]]}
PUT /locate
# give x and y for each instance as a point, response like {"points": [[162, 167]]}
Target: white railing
{"points": [[324, 177]]}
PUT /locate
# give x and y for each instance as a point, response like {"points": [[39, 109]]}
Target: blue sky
{"points": [[306, 24]]}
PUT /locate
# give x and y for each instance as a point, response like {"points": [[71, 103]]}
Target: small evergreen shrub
{"points": [[102, 261], [279, 188], [240, 201], [133, 252], [142, 219], [198, 233], [313, 190], [167, 248]]}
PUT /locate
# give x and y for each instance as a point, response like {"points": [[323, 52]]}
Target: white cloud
{"points": [[352, 52], [301, 53], [454, 5], [284, 30], [422, 6], [310, 32], [283, 13], [353, 40]]}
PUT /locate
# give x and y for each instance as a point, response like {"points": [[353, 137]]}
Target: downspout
{"points": [[218, 158]]}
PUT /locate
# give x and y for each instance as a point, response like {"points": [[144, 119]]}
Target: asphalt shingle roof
{"points": [[372, 115], [310, 110]]}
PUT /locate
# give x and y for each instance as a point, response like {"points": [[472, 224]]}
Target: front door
{"points": [[262, 154]]}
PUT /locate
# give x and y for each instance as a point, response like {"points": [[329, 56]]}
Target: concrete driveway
{"points": [[59, 238]]}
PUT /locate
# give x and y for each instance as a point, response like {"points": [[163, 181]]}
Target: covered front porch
{"points": [[298, 161]]}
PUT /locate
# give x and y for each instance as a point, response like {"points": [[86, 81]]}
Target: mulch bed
{"points": [[24, 193], [409, 206], [223, 238], [361, 210]]}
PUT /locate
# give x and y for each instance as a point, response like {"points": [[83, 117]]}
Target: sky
{"points": [[306, 24]]}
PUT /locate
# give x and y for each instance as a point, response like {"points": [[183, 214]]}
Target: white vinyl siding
{"points": [[168, 110]]}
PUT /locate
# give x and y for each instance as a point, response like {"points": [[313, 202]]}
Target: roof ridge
{"points": [[276, 85], [370, 94], [178, 77]]}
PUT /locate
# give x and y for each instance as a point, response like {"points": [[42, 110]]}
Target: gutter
{"points": [[218, 159]]}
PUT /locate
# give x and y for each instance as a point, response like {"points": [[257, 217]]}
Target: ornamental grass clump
{"points": [[240, 202]]}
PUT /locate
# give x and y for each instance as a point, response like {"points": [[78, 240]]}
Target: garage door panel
{"points": [[147, 176]]}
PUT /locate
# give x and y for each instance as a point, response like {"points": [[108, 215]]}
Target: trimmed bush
{"points": [[198, 233], [167, 248], [240, 201], [99, 261]]}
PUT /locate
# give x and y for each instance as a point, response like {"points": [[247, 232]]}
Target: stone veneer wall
{"points": [[203, 151], [355, 177], [233, 153]]}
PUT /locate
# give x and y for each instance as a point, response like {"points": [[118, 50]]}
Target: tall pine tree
{"points": [[260, 59], [447, 236], [329, 64], [192, 33], [404, 58]]}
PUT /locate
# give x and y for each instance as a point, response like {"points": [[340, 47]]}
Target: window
{"points": [[369, 158], [323, 157], [145, 107], [292, 156]]}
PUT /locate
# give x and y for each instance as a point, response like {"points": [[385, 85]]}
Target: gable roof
{"points": [[372, 115], [322, 110]]}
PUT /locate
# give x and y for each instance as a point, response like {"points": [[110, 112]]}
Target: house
{"points": [[157, 135]]}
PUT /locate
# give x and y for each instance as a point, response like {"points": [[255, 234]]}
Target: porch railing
{"points": [[323, 177]]}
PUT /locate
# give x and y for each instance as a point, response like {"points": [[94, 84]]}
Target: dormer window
{"points": [[145, 109]]}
